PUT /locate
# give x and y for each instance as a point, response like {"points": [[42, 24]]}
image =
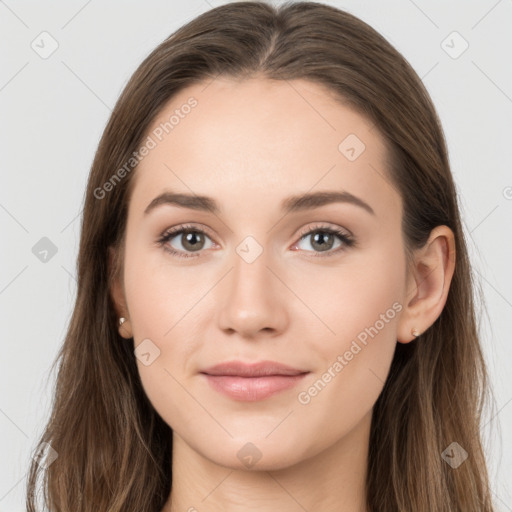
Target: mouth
{"points": [[252, 382]]}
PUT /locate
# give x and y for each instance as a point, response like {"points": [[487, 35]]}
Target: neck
{"points": [[333, 480]]}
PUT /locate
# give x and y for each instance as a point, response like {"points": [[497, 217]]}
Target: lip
{"points": [[252, 382], [259, 369]]}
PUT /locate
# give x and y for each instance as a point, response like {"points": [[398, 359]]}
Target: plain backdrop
{"points": [[54, 108]]}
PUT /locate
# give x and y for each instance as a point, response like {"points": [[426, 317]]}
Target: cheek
{"points": [[356, 365], [357, 299], [161, 296], [163, 323], [166, 308], [359, 305]]}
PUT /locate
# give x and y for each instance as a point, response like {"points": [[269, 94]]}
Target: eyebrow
{"points": [[291, 204]]}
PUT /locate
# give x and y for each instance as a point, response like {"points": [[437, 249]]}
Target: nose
{"points": [[252, 300]]}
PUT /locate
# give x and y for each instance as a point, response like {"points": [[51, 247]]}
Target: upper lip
{"points": [[259, 369]]}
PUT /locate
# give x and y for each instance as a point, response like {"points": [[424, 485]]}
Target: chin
{"points": [[257, 455]]}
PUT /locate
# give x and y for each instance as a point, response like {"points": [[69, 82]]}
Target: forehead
{"points": [[256, 140]]}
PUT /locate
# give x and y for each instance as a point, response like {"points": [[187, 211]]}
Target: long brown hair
{"points": [[114, 450]]}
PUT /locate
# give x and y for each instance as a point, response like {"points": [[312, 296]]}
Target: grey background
{"points": [[53, 111]]}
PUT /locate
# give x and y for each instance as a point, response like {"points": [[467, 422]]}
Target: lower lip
{"points": [[251, 389]]}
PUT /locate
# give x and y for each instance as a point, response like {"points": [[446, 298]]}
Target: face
{"points": [[314, 284]]}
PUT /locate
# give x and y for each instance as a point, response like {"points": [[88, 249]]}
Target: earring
{"points": [[415, 332], [123, 331]]}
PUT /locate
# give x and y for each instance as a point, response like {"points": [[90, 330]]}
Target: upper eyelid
{"points": [[185, 227], [324, 226], [306, 231]]}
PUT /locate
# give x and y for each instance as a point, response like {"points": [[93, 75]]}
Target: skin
{"points": [[249, 145]]}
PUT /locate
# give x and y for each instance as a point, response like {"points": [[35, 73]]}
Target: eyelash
{"points": [[348, 240]]}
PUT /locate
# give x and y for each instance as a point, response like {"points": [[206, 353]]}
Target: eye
{"points": [[193, 240], [323, 238]]}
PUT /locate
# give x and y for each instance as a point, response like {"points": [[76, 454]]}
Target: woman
{"points": [[274, 306]]}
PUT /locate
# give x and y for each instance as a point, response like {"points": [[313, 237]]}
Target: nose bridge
{"points": [[250, 272], [252, 301]]}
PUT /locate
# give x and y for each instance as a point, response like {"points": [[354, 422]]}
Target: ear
{"points": [[428, 283], [117, 293]]}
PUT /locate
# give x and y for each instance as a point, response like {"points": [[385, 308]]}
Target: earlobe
{"points": [[431, 277]]}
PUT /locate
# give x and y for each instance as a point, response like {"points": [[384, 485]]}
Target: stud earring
{"points": [[415, 332], [123, 331]]}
